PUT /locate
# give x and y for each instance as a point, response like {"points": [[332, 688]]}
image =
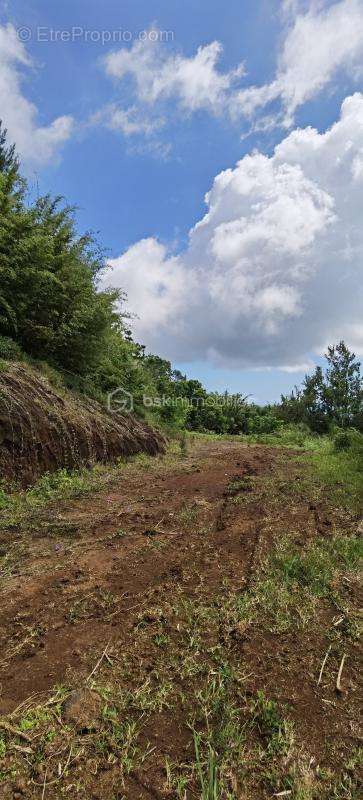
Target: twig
{"points": [[25, 703], [67, 762], [44, 784], [25, 750], [99, 661], [159, 523], [123, 610], [323, 664], [286, 793], [10, 729], [338, 684]]}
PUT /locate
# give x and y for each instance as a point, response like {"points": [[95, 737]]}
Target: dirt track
{"points": [[108, 571]]}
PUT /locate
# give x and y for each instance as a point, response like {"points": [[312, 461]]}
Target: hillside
{"points": [[43, 428]]}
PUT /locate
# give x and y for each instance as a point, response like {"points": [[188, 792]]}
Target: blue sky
{"points": [[237, 304]]}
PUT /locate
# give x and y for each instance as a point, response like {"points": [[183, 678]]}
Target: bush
{"points": [[342, 441], [260, 422], [350, 441], [9, 350]]}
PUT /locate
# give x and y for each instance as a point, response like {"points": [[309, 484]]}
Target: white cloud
{"points": [[320, 39], [164, 85], [273, 272], [34, 143], [195, 82], [129, 121], [318, 44], [155, 279]]}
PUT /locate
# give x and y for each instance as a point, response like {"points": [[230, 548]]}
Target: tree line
{"points": [[54, 313]]}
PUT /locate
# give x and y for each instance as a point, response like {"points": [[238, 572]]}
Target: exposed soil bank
{"points": [[43, 429]]}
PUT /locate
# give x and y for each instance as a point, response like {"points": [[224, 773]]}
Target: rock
{"points": [[82, 709]]}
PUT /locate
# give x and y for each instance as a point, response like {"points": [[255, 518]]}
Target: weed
{"points": [[78, 611], [277, 731], [58, 485], [119, 534], [207, 771], [183, 441], [5, 500], [188, 515], [151, 697], [161, 639], [33, 719], [174, 781], [237, 485]]}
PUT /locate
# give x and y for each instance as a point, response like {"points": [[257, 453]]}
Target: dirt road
{"points": [[138, 611]]}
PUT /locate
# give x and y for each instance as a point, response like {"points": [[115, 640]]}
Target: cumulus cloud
{"points": [[273, 271], [155, 276], [34, 143], [163, 84], [195, 82], [318, 44], [320, 39]]}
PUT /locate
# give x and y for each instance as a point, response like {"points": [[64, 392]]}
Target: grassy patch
{"points": [[287, 591], [52, 488], [340, 472], [334, 463]]}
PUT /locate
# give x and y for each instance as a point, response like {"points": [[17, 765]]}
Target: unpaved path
{"points": [[112, 570], [56, 609]]}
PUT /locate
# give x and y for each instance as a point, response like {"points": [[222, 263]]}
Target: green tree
{"points": [[342, 390], [49, 302], [331, 397]]}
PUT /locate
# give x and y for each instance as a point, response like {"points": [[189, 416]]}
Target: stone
{"points": [[82, 710]]}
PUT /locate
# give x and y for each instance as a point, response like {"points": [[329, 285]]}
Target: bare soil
{"points": [[97, 602]]}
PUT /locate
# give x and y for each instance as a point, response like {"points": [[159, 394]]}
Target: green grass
{"points": [[238, 485], [207, 771], [336, 471], [335, 463], [318, 564], [188, 515], [341, 472], [17, 506], [292, 581], [277, 732]]}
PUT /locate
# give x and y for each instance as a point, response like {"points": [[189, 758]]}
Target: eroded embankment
{"points": [[43, 429]]}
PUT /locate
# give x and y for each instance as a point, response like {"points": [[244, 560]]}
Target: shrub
{"points": [[9, 350], [342, 441]]}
